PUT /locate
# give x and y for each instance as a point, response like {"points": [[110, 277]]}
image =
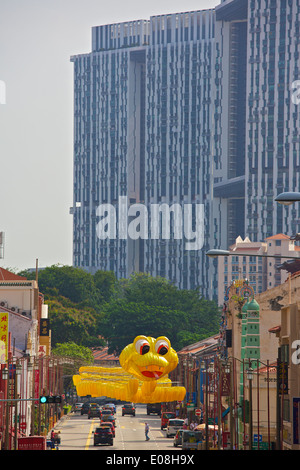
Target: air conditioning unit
{"points": [[25, 313], [14, 309], [3, 303]]}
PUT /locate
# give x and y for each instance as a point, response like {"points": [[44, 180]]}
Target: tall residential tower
{"points": [[143, 135]]}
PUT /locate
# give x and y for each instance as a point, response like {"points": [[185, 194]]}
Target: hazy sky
{"points": [[37, 38]]}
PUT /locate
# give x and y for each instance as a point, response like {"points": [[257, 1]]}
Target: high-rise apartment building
{"points": [[230, 101], [258, 146], [196, 108], [142, 132], [109, 141], [178, 158], [273, 119]]}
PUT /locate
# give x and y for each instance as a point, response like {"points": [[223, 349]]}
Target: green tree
{"points": [[74, 351], [124, 320]]}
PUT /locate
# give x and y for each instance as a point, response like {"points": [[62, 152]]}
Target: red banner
{"points": [[225, 385], [32, 443]]}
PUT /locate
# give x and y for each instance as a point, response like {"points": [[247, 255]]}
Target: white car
{"points": [[78, 406], [173, 426]]}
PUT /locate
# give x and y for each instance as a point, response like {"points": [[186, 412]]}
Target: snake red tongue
{"points": [[152, 373]]}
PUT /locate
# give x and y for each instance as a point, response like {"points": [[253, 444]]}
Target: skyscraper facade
{"points": [[257, 145], [109, 87], [142, 132], [178, 158], [196, 108], [273, 117]]}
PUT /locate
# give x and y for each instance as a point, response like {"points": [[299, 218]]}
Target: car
{"points": [[78, 406], [108, 419], [94, 411], [110, 425], [173, 426], [178, 438], [111, 406], [165, 416], [154, 408], [85, 408], [103, 435], [128, 409], [106, 412], [191, 439]]}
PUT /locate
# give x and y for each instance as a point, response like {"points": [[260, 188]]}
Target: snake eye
{"points": [[142, 346], [162, 347]]}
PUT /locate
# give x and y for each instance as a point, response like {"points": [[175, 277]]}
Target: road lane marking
{"points": [[89, 436]]}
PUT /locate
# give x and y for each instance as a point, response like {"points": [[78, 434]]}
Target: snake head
{"points": [[148, 358]]}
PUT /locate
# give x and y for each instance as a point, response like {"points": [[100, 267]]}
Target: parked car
{"points": [[110, 425], [154, 408], [103, 435], [85, 408], [128, 409], [165, 416], [94, 411], [178, 438], [173, 426], [191, 439], [78, 406]]}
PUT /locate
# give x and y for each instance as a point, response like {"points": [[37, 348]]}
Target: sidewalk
{"points": [[59, 423]]}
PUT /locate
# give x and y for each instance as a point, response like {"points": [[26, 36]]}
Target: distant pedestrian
{"points": [[147, 429]]}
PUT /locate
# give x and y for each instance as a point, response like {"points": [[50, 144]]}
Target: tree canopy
{"points": [[91, 310]]}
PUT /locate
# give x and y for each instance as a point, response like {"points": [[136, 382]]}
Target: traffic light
{"points": [[50, 399]]}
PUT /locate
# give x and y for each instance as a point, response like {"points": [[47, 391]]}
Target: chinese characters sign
{"points": [[3, 337]]}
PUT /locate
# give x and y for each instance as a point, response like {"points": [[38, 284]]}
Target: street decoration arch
{"points": [[142, 377]]}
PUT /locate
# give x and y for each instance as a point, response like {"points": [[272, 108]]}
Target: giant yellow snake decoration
{"points": [[142, 377]]}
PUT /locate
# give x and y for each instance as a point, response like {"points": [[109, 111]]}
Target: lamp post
{"points": [[5, 377], [249, 373], [18, 371], [216, 252], [204, 366], [228, 370]]}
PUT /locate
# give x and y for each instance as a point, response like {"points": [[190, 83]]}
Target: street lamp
{"points": [[204, 366], [5, 376], [249, 373], [5, 373], [18, 372], [216, 252]]}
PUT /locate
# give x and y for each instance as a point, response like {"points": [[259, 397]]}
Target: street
{"points": [[77, 433]]}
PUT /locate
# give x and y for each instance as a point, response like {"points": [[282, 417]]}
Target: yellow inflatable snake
{"points": [[142, 377]]}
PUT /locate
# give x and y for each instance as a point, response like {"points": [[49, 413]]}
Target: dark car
{"points": [[108, 419], [154, 408], [94, 411], [85, 408], [128, 409], [111, 406], [103, 435], [106, 412]]}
